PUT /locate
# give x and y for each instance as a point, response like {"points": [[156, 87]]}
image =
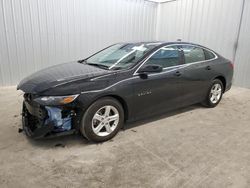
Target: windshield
{"points": [[120, 56]]}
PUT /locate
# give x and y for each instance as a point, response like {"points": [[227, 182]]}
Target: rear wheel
{"points": [[214, 94], [102, 120]]}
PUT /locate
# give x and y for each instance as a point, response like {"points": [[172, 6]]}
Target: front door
{"points": [[158, 92]]}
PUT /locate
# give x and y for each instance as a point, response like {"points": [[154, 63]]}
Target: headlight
{"points": [[55, 100]]}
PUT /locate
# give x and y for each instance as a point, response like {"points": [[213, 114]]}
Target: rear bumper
{"points": [[39, 122], [228, 87]]}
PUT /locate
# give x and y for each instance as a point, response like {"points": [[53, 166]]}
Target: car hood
{"points": [[58, 75]]}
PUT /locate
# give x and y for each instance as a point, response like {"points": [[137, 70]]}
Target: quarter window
{"points": [[193, 54], [165, 57], [208, 55]]}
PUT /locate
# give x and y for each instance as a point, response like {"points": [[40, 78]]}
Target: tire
{"points": [[209, 102], [99, 122]]}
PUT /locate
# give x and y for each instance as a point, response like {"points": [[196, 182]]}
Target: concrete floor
{"points": [[191, 147]]}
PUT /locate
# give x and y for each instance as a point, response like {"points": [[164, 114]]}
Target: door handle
{"points": [[177, 73], [208, 68]]}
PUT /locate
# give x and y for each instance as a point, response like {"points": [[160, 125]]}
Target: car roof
{"points": [[163, 43]]}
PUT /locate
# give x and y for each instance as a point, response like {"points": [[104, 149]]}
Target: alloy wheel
{"points": [[105, 120], [215, 93]]}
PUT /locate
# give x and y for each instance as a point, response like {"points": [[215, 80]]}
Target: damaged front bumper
{"points": [[47, 121]]}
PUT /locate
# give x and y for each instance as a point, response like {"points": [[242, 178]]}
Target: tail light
{"points": [[231, 64]]}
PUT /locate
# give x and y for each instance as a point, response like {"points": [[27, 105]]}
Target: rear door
{"points": [[195, 73]]}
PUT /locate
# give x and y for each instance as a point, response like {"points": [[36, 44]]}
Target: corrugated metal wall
{"points": [[38, 33], [242, 61], [212, 23]]}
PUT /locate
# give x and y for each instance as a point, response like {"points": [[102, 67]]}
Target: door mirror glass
{"points": [[150, 69]]}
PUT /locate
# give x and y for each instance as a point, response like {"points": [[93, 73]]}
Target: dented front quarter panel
{"points": [[57, 85]]}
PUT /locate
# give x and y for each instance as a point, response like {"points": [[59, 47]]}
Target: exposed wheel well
{"points": [[223, 80]]}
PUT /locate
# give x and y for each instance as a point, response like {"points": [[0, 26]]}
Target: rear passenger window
{"points": [[193, 54], [165, 57], [208, 55]]}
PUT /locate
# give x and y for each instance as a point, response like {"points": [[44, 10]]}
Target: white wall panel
{"points": [[242, 61], [213, 23], [38, 33]]}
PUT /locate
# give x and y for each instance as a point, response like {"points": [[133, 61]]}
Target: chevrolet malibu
{"points": [[125, 81]]}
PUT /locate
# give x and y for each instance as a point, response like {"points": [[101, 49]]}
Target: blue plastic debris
{"points": [[55, 116]]}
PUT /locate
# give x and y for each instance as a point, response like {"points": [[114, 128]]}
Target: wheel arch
{"points": [[120, 99], [223, 80]]}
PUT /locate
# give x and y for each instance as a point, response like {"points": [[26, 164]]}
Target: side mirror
{"points": [[153, 68]]}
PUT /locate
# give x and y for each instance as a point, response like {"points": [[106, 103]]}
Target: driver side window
{"points": [[165, 57]]}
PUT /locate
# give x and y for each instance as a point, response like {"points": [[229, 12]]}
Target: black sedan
{"points": [[125, 81]]}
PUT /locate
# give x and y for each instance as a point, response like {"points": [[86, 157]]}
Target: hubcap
{"points": [[215, 93], [105, 120]]}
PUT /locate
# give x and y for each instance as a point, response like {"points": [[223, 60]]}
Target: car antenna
{"points": [[179, 40]]}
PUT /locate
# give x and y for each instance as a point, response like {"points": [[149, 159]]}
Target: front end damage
{"points": [[42, 121]]}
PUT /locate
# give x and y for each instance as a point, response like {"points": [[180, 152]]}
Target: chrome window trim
{"points": [[204, 48]]}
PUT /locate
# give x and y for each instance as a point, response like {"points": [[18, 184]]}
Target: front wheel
{"points": [[102, 120], [214, 94]]}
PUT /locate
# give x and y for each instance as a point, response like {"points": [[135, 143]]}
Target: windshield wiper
{"points": [[81, 61], [99, 65], [93, 64]]}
